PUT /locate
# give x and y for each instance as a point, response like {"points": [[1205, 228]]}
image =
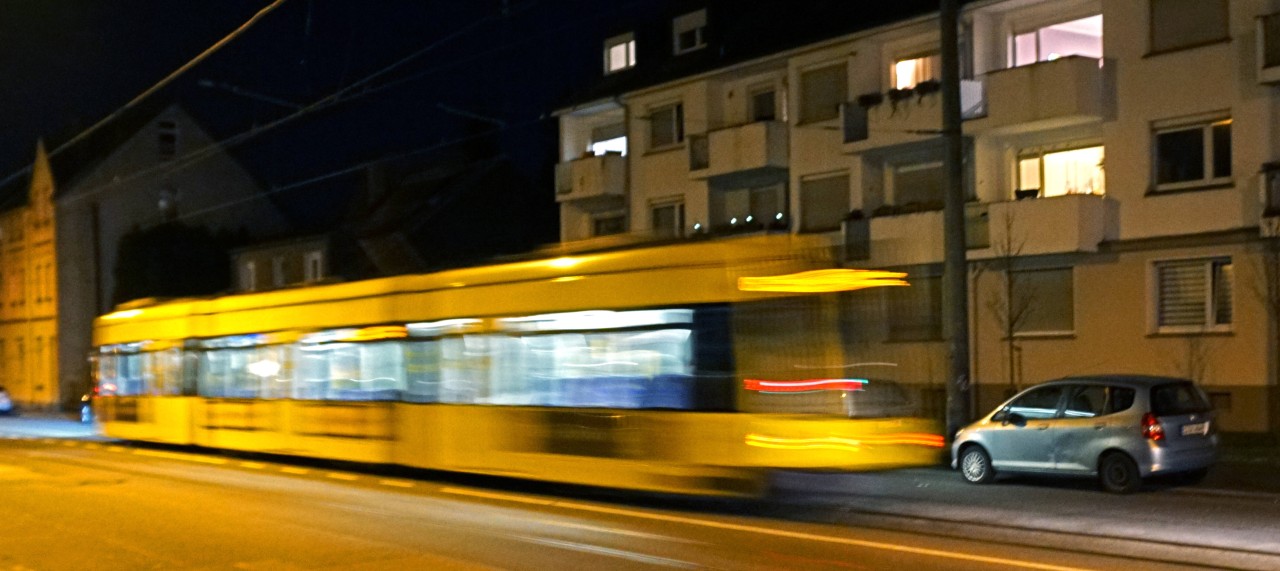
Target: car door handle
{"points": [[1042, 427], [1099, 426]]}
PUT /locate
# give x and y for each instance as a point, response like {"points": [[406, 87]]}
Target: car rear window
{"points": [[1177, 398]]}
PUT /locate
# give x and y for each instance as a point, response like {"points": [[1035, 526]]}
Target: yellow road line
{"points": [[342, 476], [182, 457], [292, 470], [767, 531], [253, 465], [396, 483]]}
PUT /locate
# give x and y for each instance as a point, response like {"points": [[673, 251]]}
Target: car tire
{"points": [[1119, 474], [975, 465]]}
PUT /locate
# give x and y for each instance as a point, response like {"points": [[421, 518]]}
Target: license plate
{"points": [[1194, 429]]}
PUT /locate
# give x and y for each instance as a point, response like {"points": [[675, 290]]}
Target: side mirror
{"points": [[1001, 416], [1016, 419]]}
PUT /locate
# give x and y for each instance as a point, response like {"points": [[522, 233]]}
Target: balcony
{"points": [[902, 116], [1268, 49], [1055, 225], [592, 177], [742, 152], [909, 238], [1046, 95]]}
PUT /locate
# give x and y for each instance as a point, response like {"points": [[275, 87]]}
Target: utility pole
{"points": [[955, 273]]}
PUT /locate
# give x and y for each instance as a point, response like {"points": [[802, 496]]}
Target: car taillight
{"points": [[1151, 427]]}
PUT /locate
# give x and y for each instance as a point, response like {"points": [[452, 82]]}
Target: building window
{"points": [[921, 183], [764, 104], [915, 313], [666, 126], [749, 209], [277, 271], [313, 266], [619, 53], [687, 32], [1043, 301], [1192, 156], [911, 71], [824, 203], [1177, 24], [609, 225], [1081, 37], [248, 276], [822, 91], [167, 140], [668, 219], [1057, 173], [1194, 295], [609, 139]]}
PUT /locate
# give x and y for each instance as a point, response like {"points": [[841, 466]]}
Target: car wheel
{"points": [[1118, 474], [975, 465]]}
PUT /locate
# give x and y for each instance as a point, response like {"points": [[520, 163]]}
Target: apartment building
{"points": [[1121, 163]]}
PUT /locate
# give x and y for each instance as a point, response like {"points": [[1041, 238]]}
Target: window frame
{"points": [[1038, 154], [628, 40], [925, 54], [676, 231], [1211, 294], [1025, 333], [695, 22], [1036, 27], [806, 118], [1209, 153], [613, 218], [821, 179], [677, 125]]}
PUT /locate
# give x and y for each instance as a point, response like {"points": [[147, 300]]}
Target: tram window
{"points": [[313, 372], [422, 371], [464, 368], [214, 373]]}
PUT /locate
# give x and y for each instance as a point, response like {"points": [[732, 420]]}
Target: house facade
{"points": [[1121, 173], [28, 292]]}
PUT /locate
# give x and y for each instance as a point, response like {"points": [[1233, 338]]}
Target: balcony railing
{"points": [[591, 177]]}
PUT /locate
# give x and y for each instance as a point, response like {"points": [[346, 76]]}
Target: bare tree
{"points": [[1266, 288], [1011, 302]]}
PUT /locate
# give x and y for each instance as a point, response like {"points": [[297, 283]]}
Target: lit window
{"points": [[687, 32], [1193, 295], [1193, 155], [909, 72], [609, 139], [822, 91], [666, 126], [1177, 24], [1081, 37], [619, 53], [1077, 171]]}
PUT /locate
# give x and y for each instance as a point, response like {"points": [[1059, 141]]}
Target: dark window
{"points": [[610, 225], [821, 93], [666, 126], [1187, 23], [824, 203], [764, 105], [1193, 155], [1175, 399]]}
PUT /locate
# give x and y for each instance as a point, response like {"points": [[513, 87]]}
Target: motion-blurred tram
{"points": [[695, 368]]}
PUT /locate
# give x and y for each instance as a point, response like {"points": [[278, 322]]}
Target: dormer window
{"points": [[619, 53], [687, 32], [166, 140]]}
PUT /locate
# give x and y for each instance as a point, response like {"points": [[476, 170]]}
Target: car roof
{"points": [[1127, 379]]}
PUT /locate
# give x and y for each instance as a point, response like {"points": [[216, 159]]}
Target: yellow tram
{"points": [[693, 368]]}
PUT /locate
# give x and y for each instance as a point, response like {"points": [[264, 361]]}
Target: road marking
{"points": [[182, 457], [396, 483], [650, 559], [253, 465], [342, 476], [618, 531], [766, 531], [292, 470]]}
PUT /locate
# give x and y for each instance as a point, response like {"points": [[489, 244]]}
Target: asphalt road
{"points": [[71, 501]]}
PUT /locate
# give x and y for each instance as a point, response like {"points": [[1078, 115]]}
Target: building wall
{"points": [[125, 191], [28, 296]]}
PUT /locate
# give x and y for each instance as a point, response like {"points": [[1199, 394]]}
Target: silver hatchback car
{"points": [[1119, 428]]}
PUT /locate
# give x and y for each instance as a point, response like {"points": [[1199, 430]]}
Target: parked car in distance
{"points": [[1118, 428], [6, 403]]}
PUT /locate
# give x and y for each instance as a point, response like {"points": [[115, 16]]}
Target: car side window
{"points": [[1040, 403], [1119, 399], [1087, 401]]}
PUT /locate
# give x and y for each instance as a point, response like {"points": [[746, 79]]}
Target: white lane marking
{"points": [[292, 470], [767, 531], [396, 483], [341, 476], [618, 531], [182, 457], [253, 465], [650, 559]]}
